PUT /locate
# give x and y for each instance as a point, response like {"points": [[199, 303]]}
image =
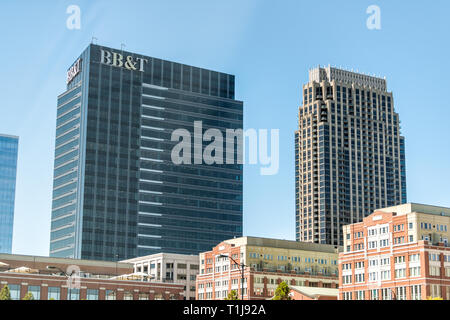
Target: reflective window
{"points": [[35, 291], [92, 294], [54, 293]]}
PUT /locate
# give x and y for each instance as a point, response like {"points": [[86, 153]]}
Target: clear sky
{"points": [[268, 45]]}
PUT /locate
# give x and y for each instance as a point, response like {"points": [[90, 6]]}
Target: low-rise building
{"points": [[267, 262], [312, 293], [73, 279], [169, 268], [397, 253]]}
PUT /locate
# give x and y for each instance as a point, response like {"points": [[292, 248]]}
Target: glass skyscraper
{"points": [[117, 194], [350, 155], [8, 168]]}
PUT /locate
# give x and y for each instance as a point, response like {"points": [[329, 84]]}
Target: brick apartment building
{"points": [[397, 253], [49, 279], [267, 262]]}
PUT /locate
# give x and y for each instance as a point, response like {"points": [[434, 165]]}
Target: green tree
{"points": [[232, 295], [5, 294], [282, 292], [28, 296]]}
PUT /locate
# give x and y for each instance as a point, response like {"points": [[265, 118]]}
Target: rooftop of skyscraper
{"points": [[330, 73], [8, 136]]}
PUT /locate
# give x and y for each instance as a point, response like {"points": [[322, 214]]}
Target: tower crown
{"points": [[329, 74]]}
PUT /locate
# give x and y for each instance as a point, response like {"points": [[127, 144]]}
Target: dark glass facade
{"points": [[117, 193], [8, 168]]}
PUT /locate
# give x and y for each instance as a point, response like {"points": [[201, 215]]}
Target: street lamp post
{"points": [[394, 294], [242, 269]]}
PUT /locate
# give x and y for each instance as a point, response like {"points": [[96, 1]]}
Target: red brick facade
{"points": [[96, 275], [119, 287], [396, 264]]}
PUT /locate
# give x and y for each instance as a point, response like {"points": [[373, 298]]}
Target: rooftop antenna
{"points": [[94, 39], [122, 45]]}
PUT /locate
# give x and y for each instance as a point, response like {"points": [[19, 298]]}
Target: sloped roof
{"points": [[23, 270], [314, 292]]}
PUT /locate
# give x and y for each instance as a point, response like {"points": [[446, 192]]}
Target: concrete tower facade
{"points": [[350, 156]]}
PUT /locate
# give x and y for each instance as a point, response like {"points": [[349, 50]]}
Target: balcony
{"points": [[291, 271]]}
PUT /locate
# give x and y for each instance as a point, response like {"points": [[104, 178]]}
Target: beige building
{"points": [[427, 222], [169, 268], [267, 263], [287, 255], [350, 156]]}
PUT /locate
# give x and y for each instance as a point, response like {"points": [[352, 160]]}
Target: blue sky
{"points": [[268, 45]]}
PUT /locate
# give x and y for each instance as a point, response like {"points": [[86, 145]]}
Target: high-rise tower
{"points": [[116, 192], [8, 168], [350, 156]]}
